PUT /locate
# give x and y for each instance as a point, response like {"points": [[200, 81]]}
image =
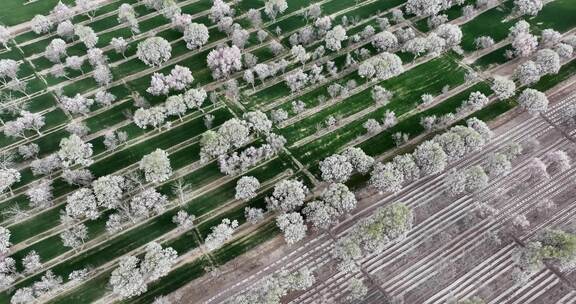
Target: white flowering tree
{"points": [[109, 190], [4, 240], [157, 261], [147, 203], [23, 295], [483, 42], [8, 70], [386, 178], [296, 80], [528, 7], [156, 166], [74, 236], [219, 10], [181, 21], [65, 30], [253, 215], [46, 165], [220, 234], [476, 101], [274, 7], [28, 151], [184, 220], [40, 195], [154, 51], [548, 61], [430, 158], [74, 151], [339, 197], [75, 63], [102, 75], [504, 88], [213, 144], [127, 15], [104, 98], [524, 44], [357, 291], [82, 204], [180, 78], [533, 101], [497, 164], [77, 104], [158, 85], [127, 280], [194, 98], [272, 288], [31, 262], [258, 121], [560, 161], [120, 45], [320, 214], [5, 36], [175, 106], [382, 67], [451, 34], [336, 168], [41, 24], [87, 7], [334, 38], [360, 161], [61, 12], [224, 61], [153, 117], [385, 41], [55, 50], [287, 195], [86, 35], [246, 188], [476, 179], [292, 226], [527, 73], [424, 8], [240, 37]]}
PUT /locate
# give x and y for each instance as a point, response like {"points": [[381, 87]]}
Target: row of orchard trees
{"points": [[433, 8], [221, 13]]}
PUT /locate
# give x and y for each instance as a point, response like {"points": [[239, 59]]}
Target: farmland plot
{"points": [[208, 141]]}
